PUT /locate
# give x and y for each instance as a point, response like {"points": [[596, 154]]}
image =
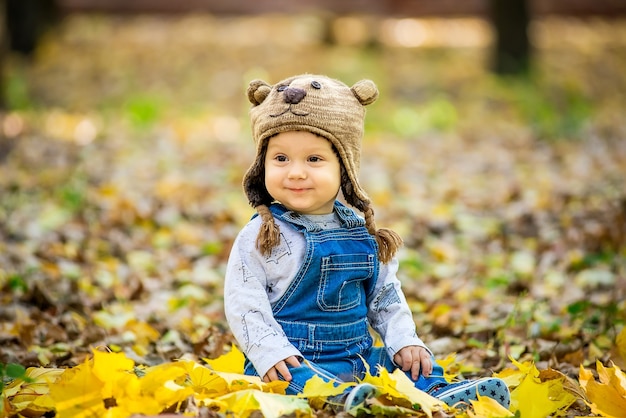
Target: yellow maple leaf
{"points": [[614, 376], [105, 386], [398, 386], [318, 391], [486, 407], [207, 383], [78, 393], [129, 398], [244, 402], [316, 386], [237, 382], [204, 382], [525, 367], [31, 398], [607, 397], [165, 383], [231, 362], [131, 407], [171, 394], [535, 398], [513, 377], [109, 368], [446, 364]]}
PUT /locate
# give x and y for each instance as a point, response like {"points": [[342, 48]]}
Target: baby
{"points": [[308, 277]]}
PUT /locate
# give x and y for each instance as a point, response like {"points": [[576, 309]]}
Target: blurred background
{"points": [[497, 149]]}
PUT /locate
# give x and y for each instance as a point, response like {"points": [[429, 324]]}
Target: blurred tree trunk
{"points": [[26, 22], [4, 47], [512, 50], [22, 23]]}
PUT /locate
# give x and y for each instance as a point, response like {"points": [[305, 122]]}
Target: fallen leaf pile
{"points": [[121, 159], [111, 384]]}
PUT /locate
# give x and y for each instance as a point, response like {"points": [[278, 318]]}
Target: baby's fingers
{"points": [[284, 371], [271, 375], [427, 367], [404, 360], [415, 369]]}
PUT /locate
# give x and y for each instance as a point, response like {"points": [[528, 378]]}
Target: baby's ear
{"points": [[365, 91], [258, 91]]}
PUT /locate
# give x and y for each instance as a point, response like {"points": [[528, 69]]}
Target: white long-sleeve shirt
{"points": [[254, 282]]}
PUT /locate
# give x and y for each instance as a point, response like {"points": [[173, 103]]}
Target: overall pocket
{"points": [[342, 277]]}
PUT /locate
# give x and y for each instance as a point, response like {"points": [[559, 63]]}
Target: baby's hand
{"points": [[281, 369], [414, 358]]}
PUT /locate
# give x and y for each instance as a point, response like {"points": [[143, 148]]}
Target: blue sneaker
{"points": [[358, 395], [468, 390]]}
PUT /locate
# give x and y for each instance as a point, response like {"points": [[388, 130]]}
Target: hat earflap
{"points": [[259, 198], [348, 190], [254, 181]]}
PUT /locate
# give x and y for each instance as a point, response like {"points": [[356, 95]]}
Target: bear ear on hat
{"points": [[258, 91], [365, 91]]}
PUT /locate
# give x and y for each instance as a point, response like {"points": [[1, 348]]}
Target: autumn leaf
{"points": [[318, 391], [107, 384], [135, 405], [31, 398], [539, 396], [110, 368], [78, 393], [232, 362], [244, 402], [607, 397], [400, 388], [398, 394], [446, 363], [166, 384], [486, 407], [513, 377], [205, 382], [238, 382]]}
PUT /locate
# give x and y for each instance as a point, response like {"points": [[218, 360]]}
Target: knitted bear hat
{"points": [[325, 107]]}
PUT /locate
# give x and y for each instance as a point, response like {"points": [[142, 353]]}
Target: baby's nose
{"points": [[296, 171], [294, 95]]}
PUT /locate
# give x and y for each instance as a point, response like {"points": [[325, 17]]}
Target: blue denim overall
{"points": [[324, 310]]}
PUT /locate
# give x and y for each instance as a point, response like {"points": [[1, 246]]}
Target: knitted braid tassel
{"points": [[269, 234]]}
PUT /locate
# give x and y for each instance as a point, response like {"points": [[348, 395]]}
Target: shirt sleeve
{"points": [[388, 312], [247, 307]]}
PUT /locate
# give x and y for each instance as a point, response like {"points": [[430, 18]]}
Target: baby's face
{"points": [[302, 172]]}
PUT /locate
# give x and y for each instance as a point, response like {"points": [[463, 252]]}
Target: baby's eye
{"points": [[315, 159], [281, 158]]}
